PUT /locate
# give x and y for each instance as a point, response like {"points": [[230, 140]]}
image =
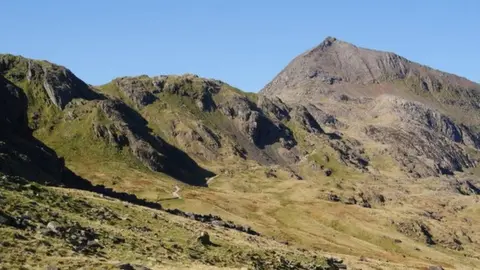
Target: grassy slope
{"points": [[164, 241]]}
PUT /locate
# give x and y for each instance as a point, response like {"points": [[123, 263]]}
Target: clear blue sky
{"points": [[245, 43]]}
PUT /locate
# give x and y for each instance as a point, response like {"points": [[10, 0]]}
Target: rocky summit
{"points": [[428, 118], [349, 158]]}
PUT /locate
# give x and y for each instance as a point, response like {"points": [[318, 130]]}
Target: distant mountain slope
{"points": [[427, 117], [338, 67]]}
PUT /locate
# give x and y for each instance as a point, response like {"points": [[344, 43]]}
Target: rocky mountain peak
{"points": [[328, 41], [337, 67], [59, 83], [335, 62]]}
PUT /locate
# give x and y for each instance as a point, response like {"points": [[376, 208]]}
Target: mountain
{"points": [[351, 153], [338, 67], [427, 117]]}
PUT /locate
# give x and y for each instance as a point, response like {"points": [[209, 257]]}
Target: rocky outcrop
{"points": [[324, 118], [199, 139], [144, 90], [274, 106], [253, 123], [467, 187], [59, 83], [198, 89], [138, 89], [350, 152], [424, 141], [213, 220], [422, 153], [62, 86], [418, 115], [302, 116], [82, 239], [416, 229]]}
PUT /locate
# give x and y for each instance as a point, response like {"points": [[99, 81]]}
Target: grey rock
{"points": [[274, 106], [138, 89], [53, 227], [204, 238], [467, 187], [333, 197], [254, 124], [422, 152], [302, 116], [59, 83]]}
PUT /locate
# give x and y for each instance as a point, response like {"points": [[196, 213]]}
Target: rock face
{"points": [[467, 187], [422, 116], [419, 113], [138, 90], [255, 124], [306, 120], [62, 86], [59, 83], [425, 141], [274, 106]]}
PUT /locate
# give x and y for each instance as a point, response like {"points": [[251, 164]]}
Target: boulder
{"points": [[53, 227], [204, 238], [333, 197]]}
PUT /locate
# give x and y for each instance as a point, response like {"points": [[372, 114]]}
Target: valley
{"points": [[349, 158]]}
